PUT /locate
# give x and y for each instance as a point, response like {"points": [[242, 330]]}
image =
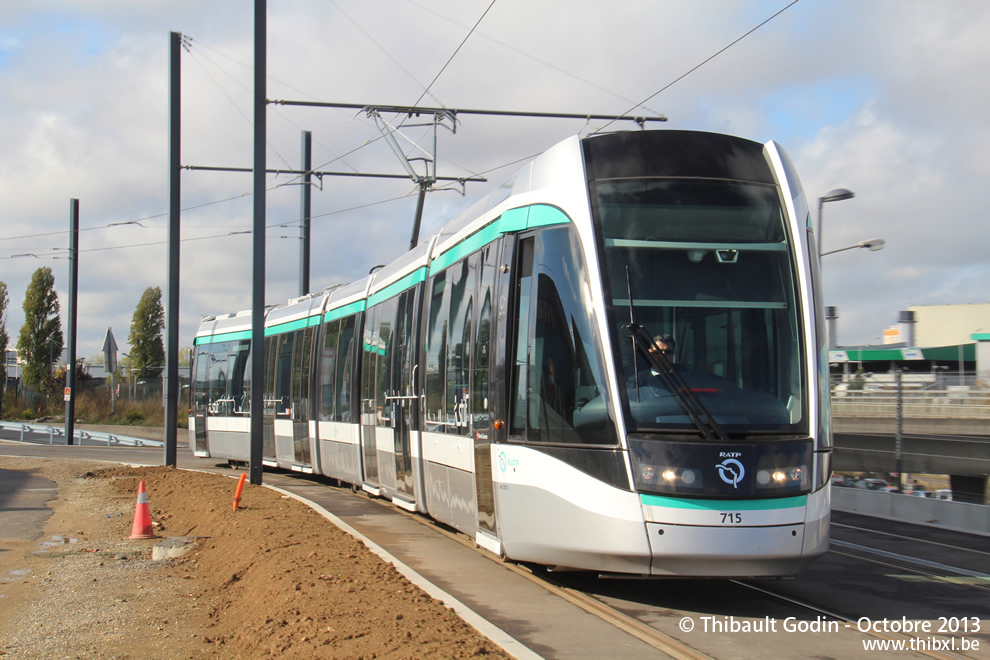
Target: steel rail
{"points": [[631, 626], [892, 636], [908, 538]]}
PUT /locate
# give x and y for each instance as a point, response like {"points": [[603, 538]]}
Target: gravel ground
{"points": [[271, 579], [76, 591]]}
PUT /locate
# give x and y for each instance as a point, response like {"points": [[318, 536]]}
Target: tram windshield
{"points": [[707, 263]]}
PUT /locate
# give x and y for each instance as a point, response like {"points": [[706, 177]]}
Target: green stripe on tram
{"points": [[222, 337], [395, 288], [724, 505], [346, 310], [290, 326], [519, 219], [513, 220]]}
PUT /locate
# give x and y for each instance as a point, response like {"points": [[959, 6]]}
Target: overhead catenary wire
{"points": [[188, 43], [192, 43], [246, 231], [698, 66], [454, 54], [426, 91], [384, 50], [114, 224], [530, 56], [240, 111]]}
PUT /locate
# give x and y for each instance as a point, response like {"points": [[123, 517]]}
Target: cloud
{"points": [[876, 97]]}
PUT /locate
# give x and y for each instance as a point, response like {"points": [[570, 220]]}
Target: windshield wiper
{"points": [[692, 407]]}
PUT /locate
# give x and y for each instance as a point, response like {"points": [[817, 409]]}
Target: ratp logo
{"points": [[731, 471], [504, 462]]}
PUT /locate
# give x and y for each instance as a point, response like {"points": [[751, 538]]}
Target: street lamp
{"points": [[130, 379], [873, 244], [836, 195]]}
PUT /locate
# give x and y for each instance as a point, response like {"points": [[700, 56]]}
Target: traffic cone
{"points": [[142, 517]]}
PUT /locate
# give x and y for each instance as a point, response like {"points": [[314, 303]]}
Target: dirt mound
{"points": [[272, 578]]}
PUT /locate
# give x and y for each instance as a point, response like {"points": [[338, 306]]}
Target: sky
{"points": [[884, 98]]}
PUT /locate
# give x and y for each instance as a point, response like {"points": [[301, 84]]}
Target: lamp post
{"points": [[836, 195], [873, 244], [899, 436]]}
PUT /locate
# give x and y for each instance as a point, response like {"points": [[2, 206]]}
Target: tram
{"points": [[501, 377]]}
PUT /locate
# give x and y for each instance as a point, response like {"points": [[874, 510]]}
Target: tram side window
{"points": [[301, 367], [384, 353], [453, 368], [335, 370], [217, 392], [245, 408], [368, 342], [480, 373], [346, 352], [520, 367], [405, 318], [462, 282], [283, 374], [239, 381], [564, 364], [328, 359], [271, 354], [201, 383], [436, 352]]}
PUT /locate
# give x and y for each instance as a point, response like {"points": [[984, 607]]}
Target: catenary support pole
{"points": [[172, 296], [305, 210], [258, 278], [73, 312]]}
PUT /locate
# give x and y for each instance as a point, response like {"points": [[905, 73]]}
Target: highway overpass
{"points": [[942, 432]]}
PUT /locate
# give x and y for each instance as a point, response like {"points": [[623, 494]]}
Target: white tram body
{"points": [[498, 377]]}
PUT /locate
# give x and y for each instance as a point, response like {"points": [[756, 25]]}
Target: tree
{"points": [[147, 346], [4, 337], [40, 342]]}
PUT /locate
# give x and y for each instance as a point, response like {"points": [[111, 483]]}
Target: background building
{"points": [[938, 345]]}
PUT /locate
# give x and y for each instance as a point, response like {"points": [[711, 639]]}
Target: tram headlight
{"points": [[789, 475], [788, 478], [672, 478]]}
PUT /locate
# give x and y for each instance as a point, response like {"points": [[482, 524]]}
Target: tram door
{"points": [[515, 302], [483, 404], [200, 389], [402, 401], [369, 408], [270, 402]]}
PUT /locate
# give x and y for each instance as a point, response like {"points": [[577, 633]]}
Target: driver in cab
{"points": [[662, 344]]}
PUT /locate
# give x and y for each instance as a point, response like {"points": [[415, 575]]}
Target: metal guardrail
{"points": [[959, 516], [942, 404], [59, 431]]}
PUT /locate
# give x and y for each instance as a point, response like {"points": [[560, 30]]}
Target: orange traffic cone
{"points": [[142, 517]]}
